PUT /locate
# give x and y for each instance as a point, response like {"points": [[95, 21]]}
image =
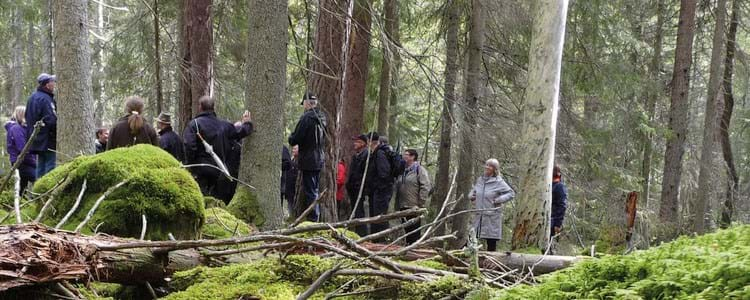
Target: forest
{"points": [[637, 110]]}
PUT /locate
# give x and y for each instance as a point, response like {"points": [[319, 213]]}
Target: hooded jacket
{"points": [[413, 187], [15, 141], [310, 136]]}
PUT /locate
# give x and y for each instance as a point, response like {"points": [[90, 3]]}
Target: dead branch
{"points": [[75, 206], [52, 195], [384, 274], [319, 282], [96, 204], [38, 126]]}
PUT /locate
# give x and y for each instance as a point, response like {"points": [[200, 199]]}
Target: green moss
{"points": [[324, 233], [445, 286], [245, 206], [713, 266], [213, 202], [220, 224], [158, 187]]}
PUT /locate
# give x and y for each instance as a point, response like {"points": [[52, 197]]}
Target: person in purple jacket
{"points": [[16, 140]]}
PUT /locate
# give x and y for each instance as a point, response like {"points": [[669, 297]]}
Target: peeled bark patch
{"points": [[158, 187]]}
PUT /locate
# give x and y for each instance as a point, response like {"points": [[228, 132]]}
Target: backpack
{"points": [[398, 165]]}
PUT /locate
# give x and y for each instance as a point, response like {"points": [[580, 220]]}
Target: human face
{"points": [[358, 145], [408, 158], [295, 151], [50, 85], [489, 170], [104, 137]]}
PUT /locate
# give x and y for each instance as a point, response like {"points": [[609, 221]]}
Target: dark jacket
{"points": [[15, 141], [99, 146], [218, 133], [355, 174], [310, 136], [379, 171], [286, 162], [42, 106], [172, 143], [120, 135], [559, 203], [290, 171]]}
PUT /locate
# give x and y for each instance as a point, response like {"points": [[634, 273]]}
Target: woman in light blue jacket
{"points": [[489, 193]]}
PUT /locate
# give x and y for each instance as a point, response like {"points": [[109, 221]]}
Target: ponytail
{"points": [[134, 108]]}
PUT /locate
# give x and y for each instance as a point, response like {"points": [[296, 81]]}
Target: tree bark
{"points": [[540, 125], [726, 146], [46, 38], [670, 193], [17, 61], [710, 122], [76, 115], [97, 73], [157, 60], [266, 80], [465, 176], [390, 8], [196, 66], [352, 112], [651, 100], [395, 22], [442, 177], [326, 81]]}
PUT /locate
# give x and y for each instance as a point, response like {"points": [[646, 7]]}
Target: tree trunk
{"points": [[196, 65], [442, 178], [390, 8], [97, 74], [651, 100], [726, 146], [395, 31], [46, 38], [157, 60], [76, 115], [713, 104], [678, 115], [540, 125], [16, 89], [326, 81], [352, 112], [465, 174], [266, 80]]}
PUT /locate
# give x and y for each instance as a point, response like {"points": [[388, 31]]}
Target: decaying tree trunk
{"points": [[540, 125]]}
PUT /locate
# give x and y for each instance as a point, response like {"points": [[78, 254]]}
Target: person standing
{"points": [[380, 182], [356, 176], [489, 194], [219, 135], [42, 107], [290, 171], [15, 141], [132, 129], [412, 190], [102, 136], [169, 140], [310, 136], [341, 203], [559, 202]]}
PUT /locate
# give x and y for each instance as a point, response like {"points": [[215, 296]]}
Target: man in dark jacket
{"points": [[102, 136], [168, 139], [218, 134], [42, 106], [380, 182], [289, 171], [310, 135], [355, 177], [559, 202]]}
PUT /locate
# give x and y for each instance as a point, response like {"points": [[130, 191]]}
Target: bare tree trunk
{"points": [[726, 146], [540, 125], [352, 112], [46, 38], [17, 61], [651, 100], [98, 68], [157, 60], [266, 79], [390, 8], [76, 116], [394, 17], [442, 178], [326, 81], [196, 65], [678, 114], [713, 105], [465, 176]]}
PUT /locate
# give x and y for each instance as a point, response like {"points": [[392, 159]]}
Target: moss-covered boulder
{"points": [[157, 187], [220, 224]]}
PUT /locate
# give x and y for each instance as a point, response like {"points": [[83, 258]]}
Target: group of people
{"points": [[375, 174], [205, 132]]}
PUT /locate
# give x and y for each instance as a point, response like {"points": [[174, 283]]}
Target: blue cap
{"points": [[44, 78]]}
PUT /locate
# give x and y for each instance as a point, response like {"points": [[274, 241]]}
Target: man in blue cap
{"points": [[42, 106], [310, 135]]}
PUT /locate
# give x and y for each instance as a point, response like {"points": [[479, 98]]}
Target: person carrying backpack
{"points": [[412, 190], [380, 181]]}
